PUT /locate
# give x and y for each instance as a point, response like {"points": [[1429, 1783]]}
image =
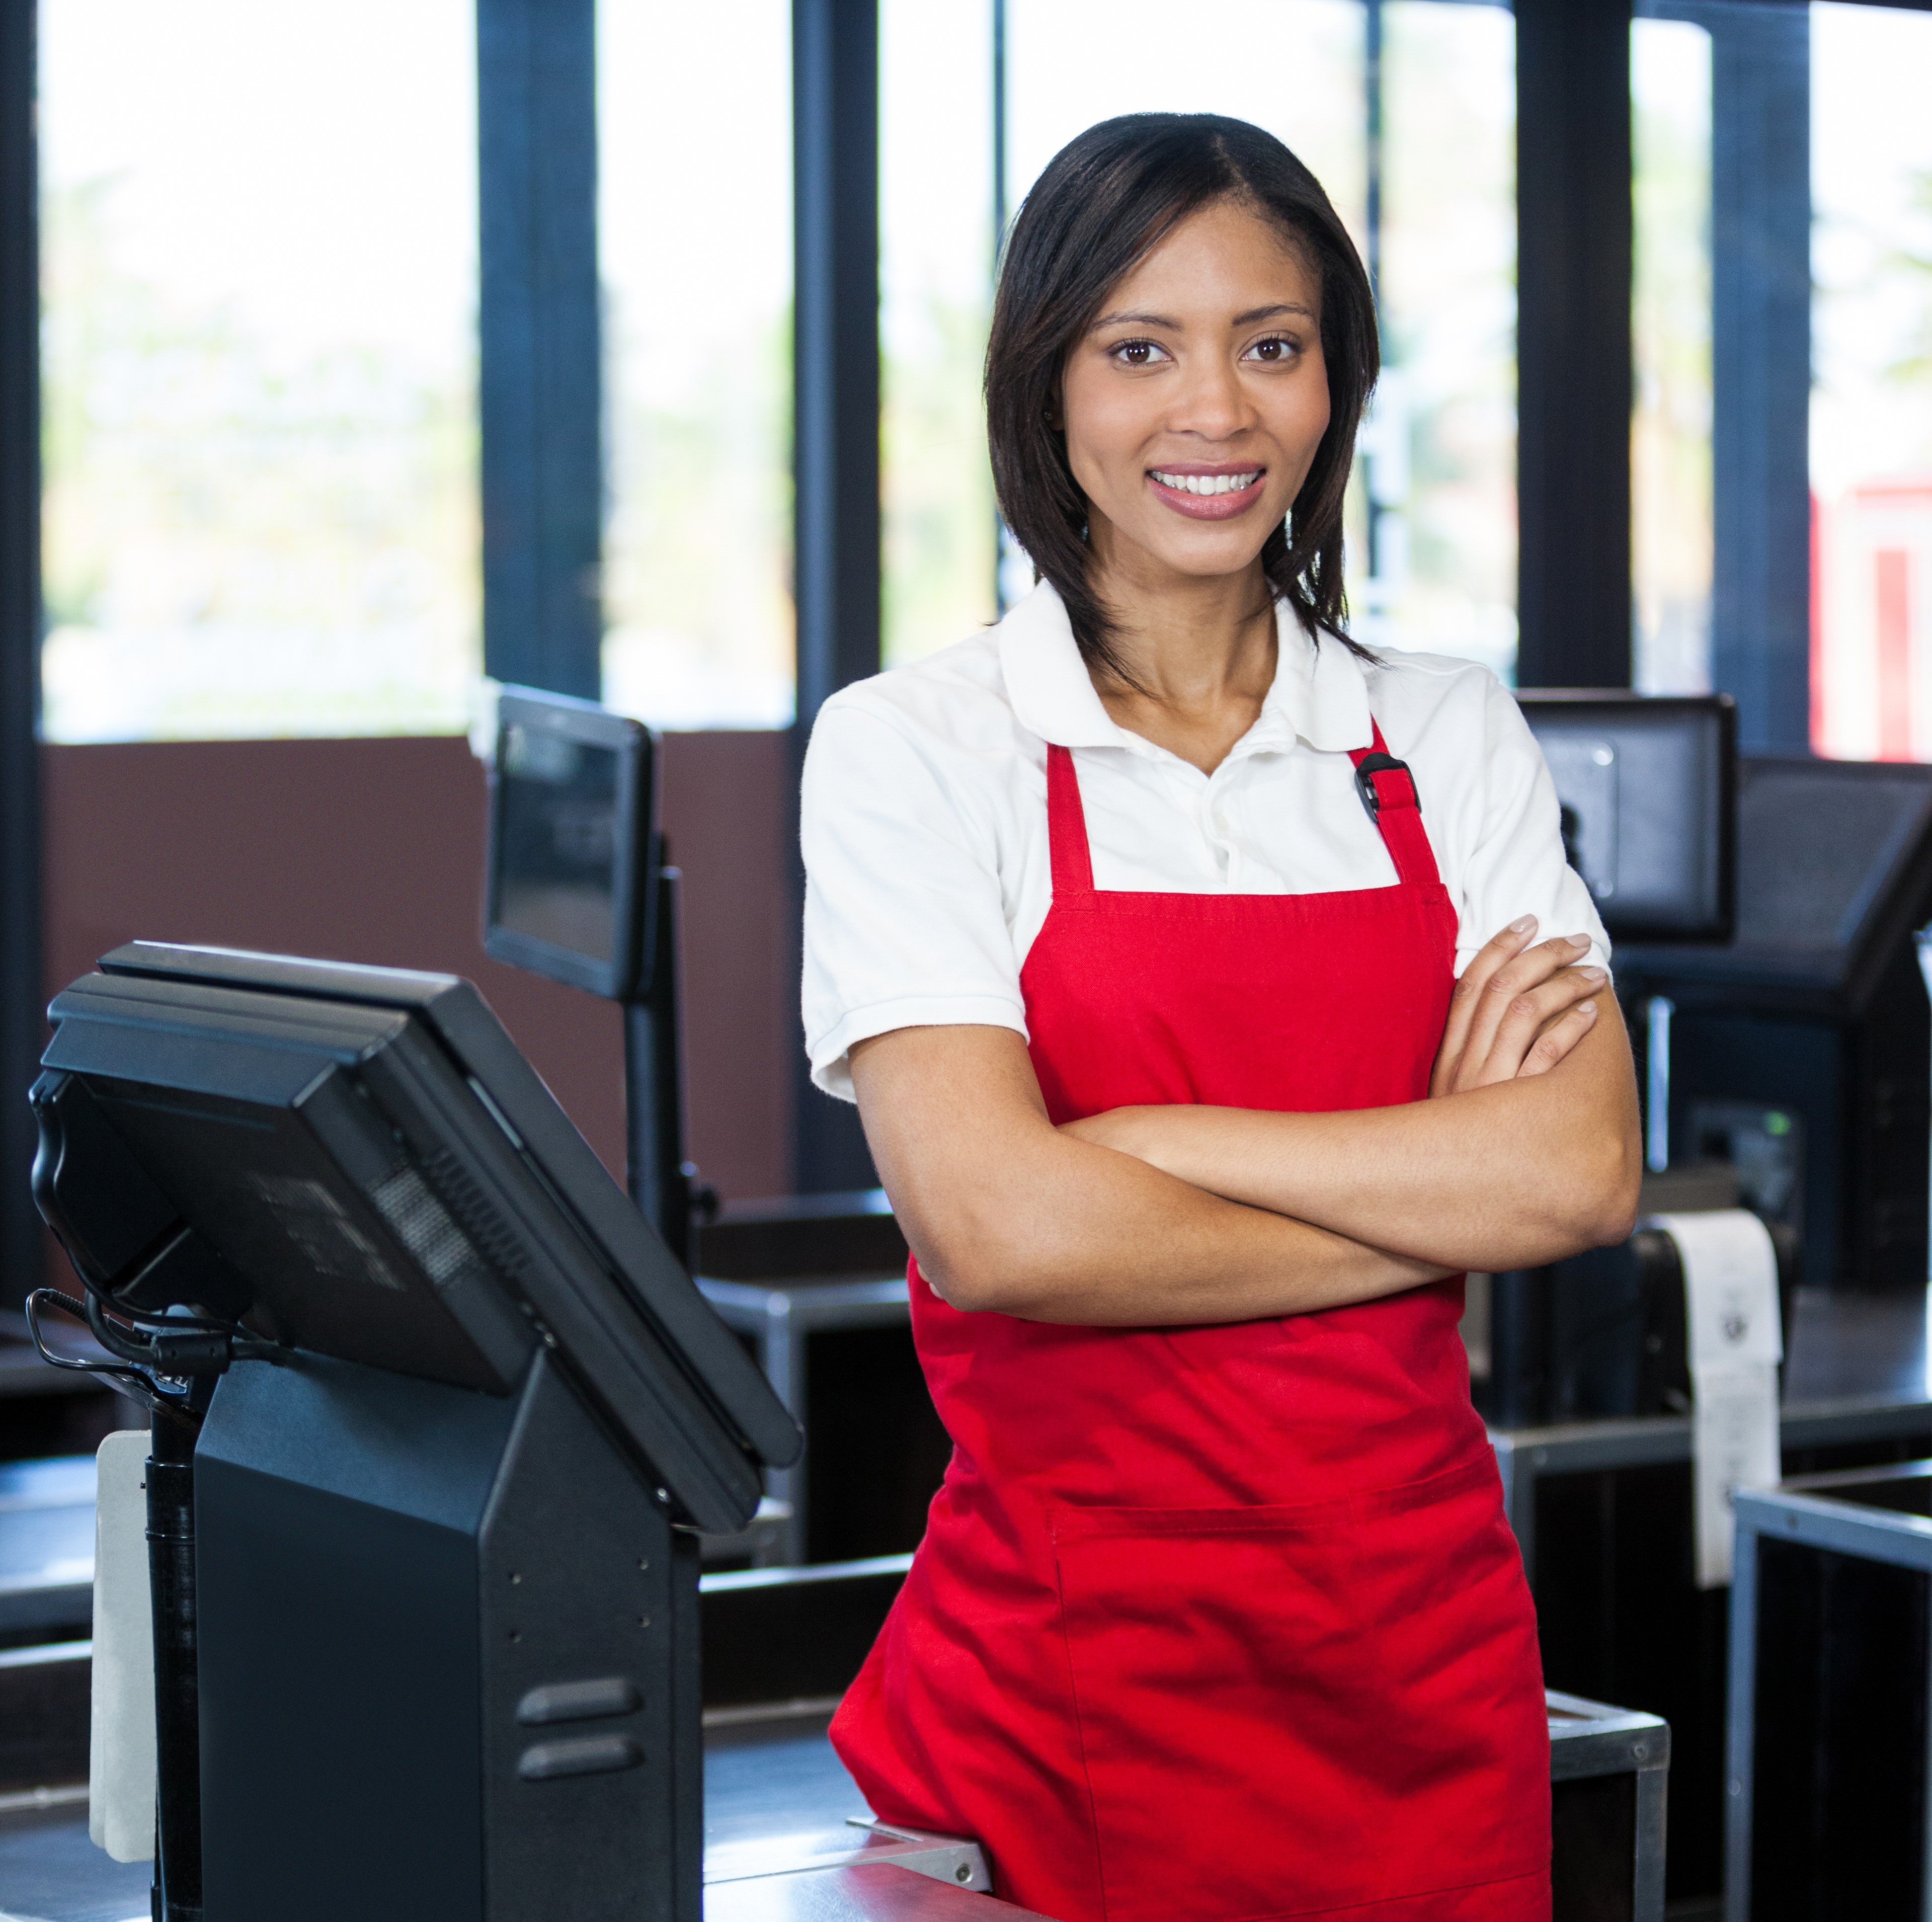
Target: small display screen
{"points": [[1642, 786], [557, 827]]}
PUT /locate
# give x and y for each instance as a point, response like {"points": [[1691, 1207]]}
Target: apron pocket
{"points": [[1287, 1710]]}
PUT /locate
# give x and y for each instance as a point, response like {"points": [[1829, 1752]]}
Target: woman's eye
{"points": [[1138, 353], [1272, 352]]}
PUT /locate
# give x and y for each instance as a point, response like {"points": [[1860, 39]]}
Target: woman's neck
{"points": [[1199, 655]]}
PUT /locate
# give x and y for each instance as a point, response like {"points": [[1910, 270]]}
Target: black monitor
{"points": [[428, 1627], [1834, 870], [572, 849], [1646, 785], [577, 888], [365, 1168], [1801, 1049]]}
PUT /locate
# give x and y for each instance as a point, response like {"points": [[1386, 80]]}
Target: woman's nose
{"points": [[1211, 402]]}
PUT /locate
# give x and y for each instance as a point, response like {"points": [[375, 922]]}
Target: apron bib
{"points": [[1222, 1623]]}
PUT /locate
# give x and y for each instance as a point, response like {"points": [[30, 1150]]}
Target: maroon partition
{"points": [[372, 850]]}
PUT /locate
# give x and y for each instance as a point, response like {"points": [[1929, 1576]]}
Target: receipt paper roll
{"points": [[121, 1767], [1735, 1344]]}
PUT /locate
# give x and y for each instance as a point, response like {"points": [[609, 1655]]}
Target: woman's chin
{"points": [[1191, 554]]}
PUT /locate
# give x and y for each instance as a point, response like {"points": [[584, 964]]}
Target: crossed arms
{"points": [[1525, 1151]]}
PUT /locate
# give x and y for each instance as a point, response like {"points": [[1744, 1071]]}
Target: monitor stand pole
{"points": [[661, 1181], [170, 1469]]}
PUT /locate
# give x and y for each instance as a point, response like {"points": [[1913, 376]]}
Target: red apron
{"points": [[1216, 1623]]}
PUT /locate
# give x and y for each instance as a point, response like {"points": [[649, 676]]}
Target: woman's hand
{"points": [[1525, 1167], [1517, 1010]]}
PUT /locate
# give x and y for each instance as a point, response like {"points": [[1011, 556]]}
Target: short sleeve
{"points": [[1517, 865], [904, 923]]}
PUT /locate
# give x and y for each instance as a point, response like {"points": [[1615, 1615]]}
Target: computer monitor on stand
{"points": [[464, 1416], [579, 889], [1646, 785], [1800, 1047]]}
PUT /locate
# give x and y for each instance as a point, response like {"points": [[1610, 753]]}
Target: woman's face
{"points": [[1194, 406]]}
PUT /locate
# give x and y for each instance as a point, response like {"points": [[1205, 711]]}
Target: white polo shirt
{"points": [[924, 815]]}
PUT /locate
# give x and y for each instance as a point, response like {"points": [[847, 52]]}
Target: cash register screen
{"points": [[571, 836], [556, 881], [1646, 785]]}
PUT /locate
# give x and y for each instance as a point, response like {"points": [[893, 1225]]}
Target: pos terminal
{"points": [[457, 1415]]}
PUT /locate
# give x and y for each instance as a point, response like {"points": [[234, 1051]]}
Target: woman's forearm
{"points": [[1090, 1244], [1005, 1212], [1511, 1176]]}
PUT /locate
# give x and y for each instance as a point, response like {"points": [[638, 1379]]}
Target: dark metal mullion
{"points": [[1573, 370], [22, 991], [1000, 190], [836, 456], [1372, 118], [999, 214], [540, 385], [1761, 372], [1760, 240], [835, 415]]}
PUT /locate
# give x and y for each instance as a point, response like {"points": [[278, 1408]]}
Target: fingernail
{"points": [[1580, 941], [1587, 1007], [1591, 974], [1522, 924]]}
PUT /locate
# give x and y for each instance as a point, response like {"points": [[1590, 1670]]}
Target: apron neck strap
{"points": [[1387, 790], [1066, 825], [1394, 808]]}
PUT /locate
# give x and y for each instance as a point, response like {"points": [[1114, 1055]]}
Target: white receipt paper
{"points": [[1730, 1302], [120, 1764]]}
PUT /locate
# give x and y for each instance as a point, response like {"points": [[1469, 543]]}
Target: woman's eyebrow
{"points": [[1139, 320], [1248, 320]]}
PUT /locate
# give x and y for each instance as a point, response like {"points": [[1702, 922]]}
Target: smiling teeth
{"points": [[1207, 484]]}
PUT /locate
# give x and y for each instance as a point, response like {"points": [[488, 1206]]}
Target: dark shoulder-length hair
{"points": [[1105, 202]]}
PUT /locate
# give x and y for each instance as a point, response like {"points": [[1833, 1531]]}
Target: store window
{"points": [[258, 367], [1782, 441], [936, 243], [1871, 400], [694, 241], [1405, 110], [1436, 495], [1670, 326]]}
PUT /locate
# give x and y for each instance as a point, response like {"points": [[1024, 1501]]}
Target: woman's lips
{"points": [[1208, 507]]}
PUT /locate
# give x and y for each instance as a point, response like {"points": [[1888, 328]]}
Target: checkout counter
{"points": [[1785, 1054], [500, 1301], [442, 1432], [427, 1620], [433, 1460]]}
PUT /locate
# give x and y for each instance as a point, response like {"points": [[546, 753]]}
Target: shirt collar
{"points": [[1319, 693]]}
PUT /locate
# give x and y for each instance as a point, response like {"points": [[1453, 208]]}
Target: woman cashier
{"points": [[1184, 957]]}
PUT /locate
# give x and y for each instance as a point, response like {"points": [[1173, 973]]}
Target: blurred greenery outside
{"points": [[1670, 423], [295, 540], [1448, 323], [936, 487], [240, 542], [696, 582]]}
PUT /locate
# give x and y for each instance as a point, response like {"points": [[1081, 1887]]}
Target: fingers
{"points": [[1562, 1035], [1526, 1019], [1500, 949], [1524, 973]]}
